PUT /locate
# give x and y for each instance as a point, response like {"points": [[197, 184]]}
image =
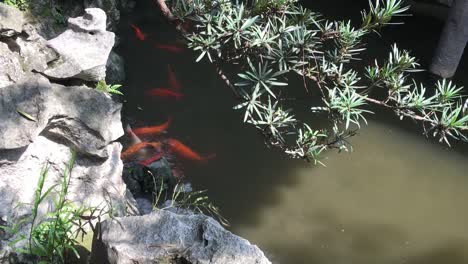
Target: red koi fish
{"points": [[185, 152], [152, 130], [134, 149], [170, 48], [152, 159], [173, 82], [165, 93], [138, 33]]}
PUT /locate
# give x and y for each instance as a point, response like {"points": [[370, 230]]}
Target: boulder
{"points": [[10, 69], [83, 49], [11, 20], [169, 237], [113, 8], [54, 120], [88, 119], [34, 53], [94, 182], [93, 21]]}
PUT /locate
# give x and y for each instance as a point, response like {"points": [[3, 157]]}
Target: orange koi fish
{"points": [[185, 152], [138, 33], [165, 93], [152, 159], [133, 150], [173, 82], [170, 48], [154, 130]]}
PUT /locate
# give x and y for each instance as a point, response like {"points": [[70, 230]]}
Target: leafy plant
{"points": [[20, 4], [266, 41], [53, 237], [102, 86], [181, 196]]}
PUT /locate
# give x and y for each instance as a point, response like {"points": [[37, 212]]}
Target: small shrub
{"points": [[20, 4], [53, 238], [106, 88]]}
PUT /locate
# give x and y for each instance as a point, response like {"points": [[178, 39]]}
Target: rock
{"points": [[83, 49], [10, 69], [33, 50], [88, 119], [28, 97], [112, 8], [65, 118], [11, 20], [115, 72], [94, 182], [92, 22], [167, 237]]}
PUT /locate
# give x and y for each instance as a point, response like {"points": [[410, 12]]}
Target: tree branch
{"points": [[166, 12]]}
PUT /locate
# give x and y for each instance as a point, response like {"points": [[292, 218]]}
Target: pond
{"points": [[397, 198]]}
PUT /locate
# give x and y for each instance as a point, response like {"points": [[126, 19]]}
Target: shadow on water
{"points": [[398, 198]]}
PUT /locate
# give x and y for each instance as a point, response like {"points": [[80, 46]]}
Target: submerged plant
{"points": [[267, 41]]}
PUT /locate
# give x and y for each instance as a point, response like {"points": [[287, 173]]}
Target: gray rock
{"points": [[11, 20], [115, 72], [29, 97], [10, 69], [94, 182], [83, 49], [33, 50], [113, 9], [93, 21], [164, 237], [89, 120]]}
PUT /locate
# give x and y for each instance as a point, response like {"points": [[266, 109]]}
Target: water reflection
{"points": [[398, 198], [382, 204]]}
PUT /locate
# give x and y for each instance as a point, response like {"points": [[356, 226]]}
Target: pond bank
{"points": [[49, 110]]}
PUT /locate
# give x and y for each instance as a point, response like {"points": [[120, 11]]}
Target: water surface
{"points": [[398, 198]]}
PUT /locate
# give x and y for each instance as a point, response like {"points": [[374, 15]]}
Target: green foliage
{"points": [[102, 86], [20, 4], [266, 41], [181, 196], [53, 237]]}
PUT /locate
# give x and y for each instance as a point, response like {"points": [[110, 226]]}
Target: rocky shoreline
{"points": [[48, 109]]}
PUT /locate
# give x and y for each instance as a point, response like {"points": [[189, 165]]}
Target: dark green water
{"points": [[398, 198]]}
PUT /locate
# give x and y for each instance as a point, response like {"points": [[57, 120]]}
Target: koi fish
{"points": [[185, 152], [143, 131], [152, 159], [165, 93], [134, 149], [133, 138], [170, 48], [173, 82], [138, 33]]}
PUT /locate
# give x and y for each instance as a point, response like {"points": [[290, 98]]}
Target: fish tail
{"points": [[150, 160], [133, 150]]}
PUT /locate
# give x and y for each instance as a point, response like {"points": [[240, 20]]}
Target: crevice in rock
{"points": [[10, 42], [180, 260], [68, 137], [10, 156], [68, 81]]}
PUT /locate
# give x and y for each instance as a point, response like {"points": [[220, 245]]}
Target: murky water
{"points": [[398, 198]]}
